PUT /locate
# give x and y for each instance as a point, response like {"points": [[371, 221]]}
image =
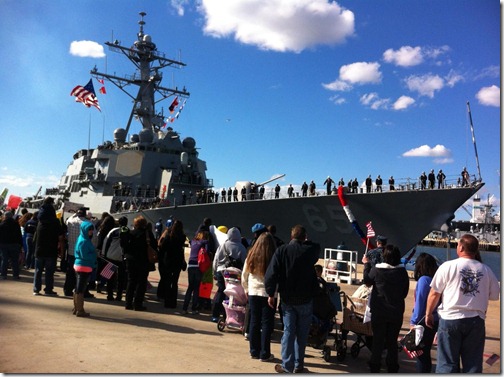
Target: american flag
{"points": [[109, 270], [370, 230], [86, 95]]}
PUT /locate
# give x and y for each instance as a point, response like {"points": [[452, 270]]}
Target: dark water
{"points": [[490, 258]]}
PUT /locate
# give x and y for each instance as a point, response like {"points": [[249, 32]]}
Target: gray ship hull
{"points": [[405, 217]]}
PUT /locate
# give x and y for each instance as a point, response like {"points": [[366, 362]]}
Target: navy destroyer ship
{"points": [[159, 175]]}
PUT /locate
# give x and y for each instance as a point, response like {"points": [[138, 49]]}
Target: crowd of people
{"points": [[106, 252]]}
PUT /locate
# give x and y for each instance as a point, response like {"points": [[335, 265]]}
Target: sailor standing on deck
{"points": [[304, 189], [328, 182], [369, 183], [441, 179], [423, 181], [432, 179]]}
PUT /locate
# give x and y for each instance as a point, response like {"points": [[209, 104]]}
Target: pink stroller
{"points": [[235, 305]]}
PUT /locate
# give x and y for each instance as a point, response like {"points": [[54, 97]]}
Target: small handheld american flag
{"points": [[370, 230], [109, 270]]}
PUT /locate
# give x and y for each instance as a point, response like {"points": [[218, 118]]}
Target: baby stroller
{"points": [[353, 317], [236, 302], [325, 307]]}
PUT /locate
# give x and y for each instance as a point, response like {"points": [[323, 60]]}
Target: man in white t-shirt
{"points": [[464, 286]]}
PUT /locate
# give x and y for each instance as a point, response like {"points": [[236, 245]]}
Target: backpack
{"points": [[232, 262], [204, 262]]}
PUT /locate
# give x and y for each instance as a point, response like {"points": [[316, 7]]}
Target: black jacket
{"points": [[134, 244], [390, 288], [47, 238], [10, 232], [292, 268]]}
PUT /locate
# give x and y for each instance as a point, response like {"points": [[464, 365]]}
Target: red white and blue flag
{"points": [[86, 95], [109, 270]]}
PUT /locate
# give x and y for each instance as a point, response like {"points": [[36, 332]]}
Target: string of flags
{"points": [[172, 108], [87, 96]]}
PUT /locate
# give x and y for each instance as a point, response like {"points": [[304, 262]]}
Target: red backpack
{"points": [[204, 261]]}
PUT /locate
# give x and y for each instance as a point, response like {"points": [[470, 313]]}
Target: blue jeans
{"points": [[49, 265], [194, 279], [220, 296], [460, 340], [297, 321], [10, 251], [82, 280], [261, 326], [30, 252]]}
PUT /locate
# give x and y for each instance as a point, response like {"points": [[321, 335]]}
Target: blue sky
{"points": [[296, 87]]}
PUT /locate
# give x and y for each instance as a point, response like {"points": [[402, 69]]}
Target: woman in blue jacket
{"points": [[85, 261], [425, 268]]}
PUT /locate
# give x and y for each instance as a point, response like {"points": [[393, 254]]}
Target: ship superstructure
{"points": [[154, 165]]}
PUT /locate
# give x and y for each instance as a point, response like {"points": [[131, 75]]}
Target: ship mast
{"points": [[474, 141], [149, 62]]}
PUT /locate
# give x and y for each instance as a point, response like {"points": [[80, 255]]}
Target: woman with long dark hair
{"points": [[173, 261], [425, 268], [261, 314], [134, 244], [390, 283]]}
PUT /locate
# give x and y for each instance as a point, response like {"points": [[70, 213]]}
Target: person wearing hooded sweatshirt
{"points": [[85, 261], [229, 251], [11, 242], [390, 283]]}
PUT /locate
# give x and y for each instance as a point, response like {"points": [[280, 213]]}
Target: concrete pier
{"points": [[40, 335]]}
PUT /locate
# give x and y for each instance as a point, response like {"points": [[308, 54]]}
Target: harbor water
{"points": [[490, 258]]}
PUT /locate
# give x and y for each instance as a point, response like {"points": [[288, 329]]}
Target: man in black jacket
{"points": [[292, 271]]}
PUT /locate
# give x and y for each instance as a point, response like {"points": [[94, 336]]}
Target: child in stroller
{"points": [[323, 318], [236, 302]]}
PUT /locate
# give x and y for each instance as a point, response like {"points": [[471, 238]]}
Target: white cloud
{"points": [[441, 161], [361, 73], [492, 71], [489, 96], [279, 25], [179, 6], [452, 78], [374, 101], [403, 102], [426, 151], [356, 73], [337, 86], [337, 100], [425, 85], [406, 56], [435, 52], [87, 49]]}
